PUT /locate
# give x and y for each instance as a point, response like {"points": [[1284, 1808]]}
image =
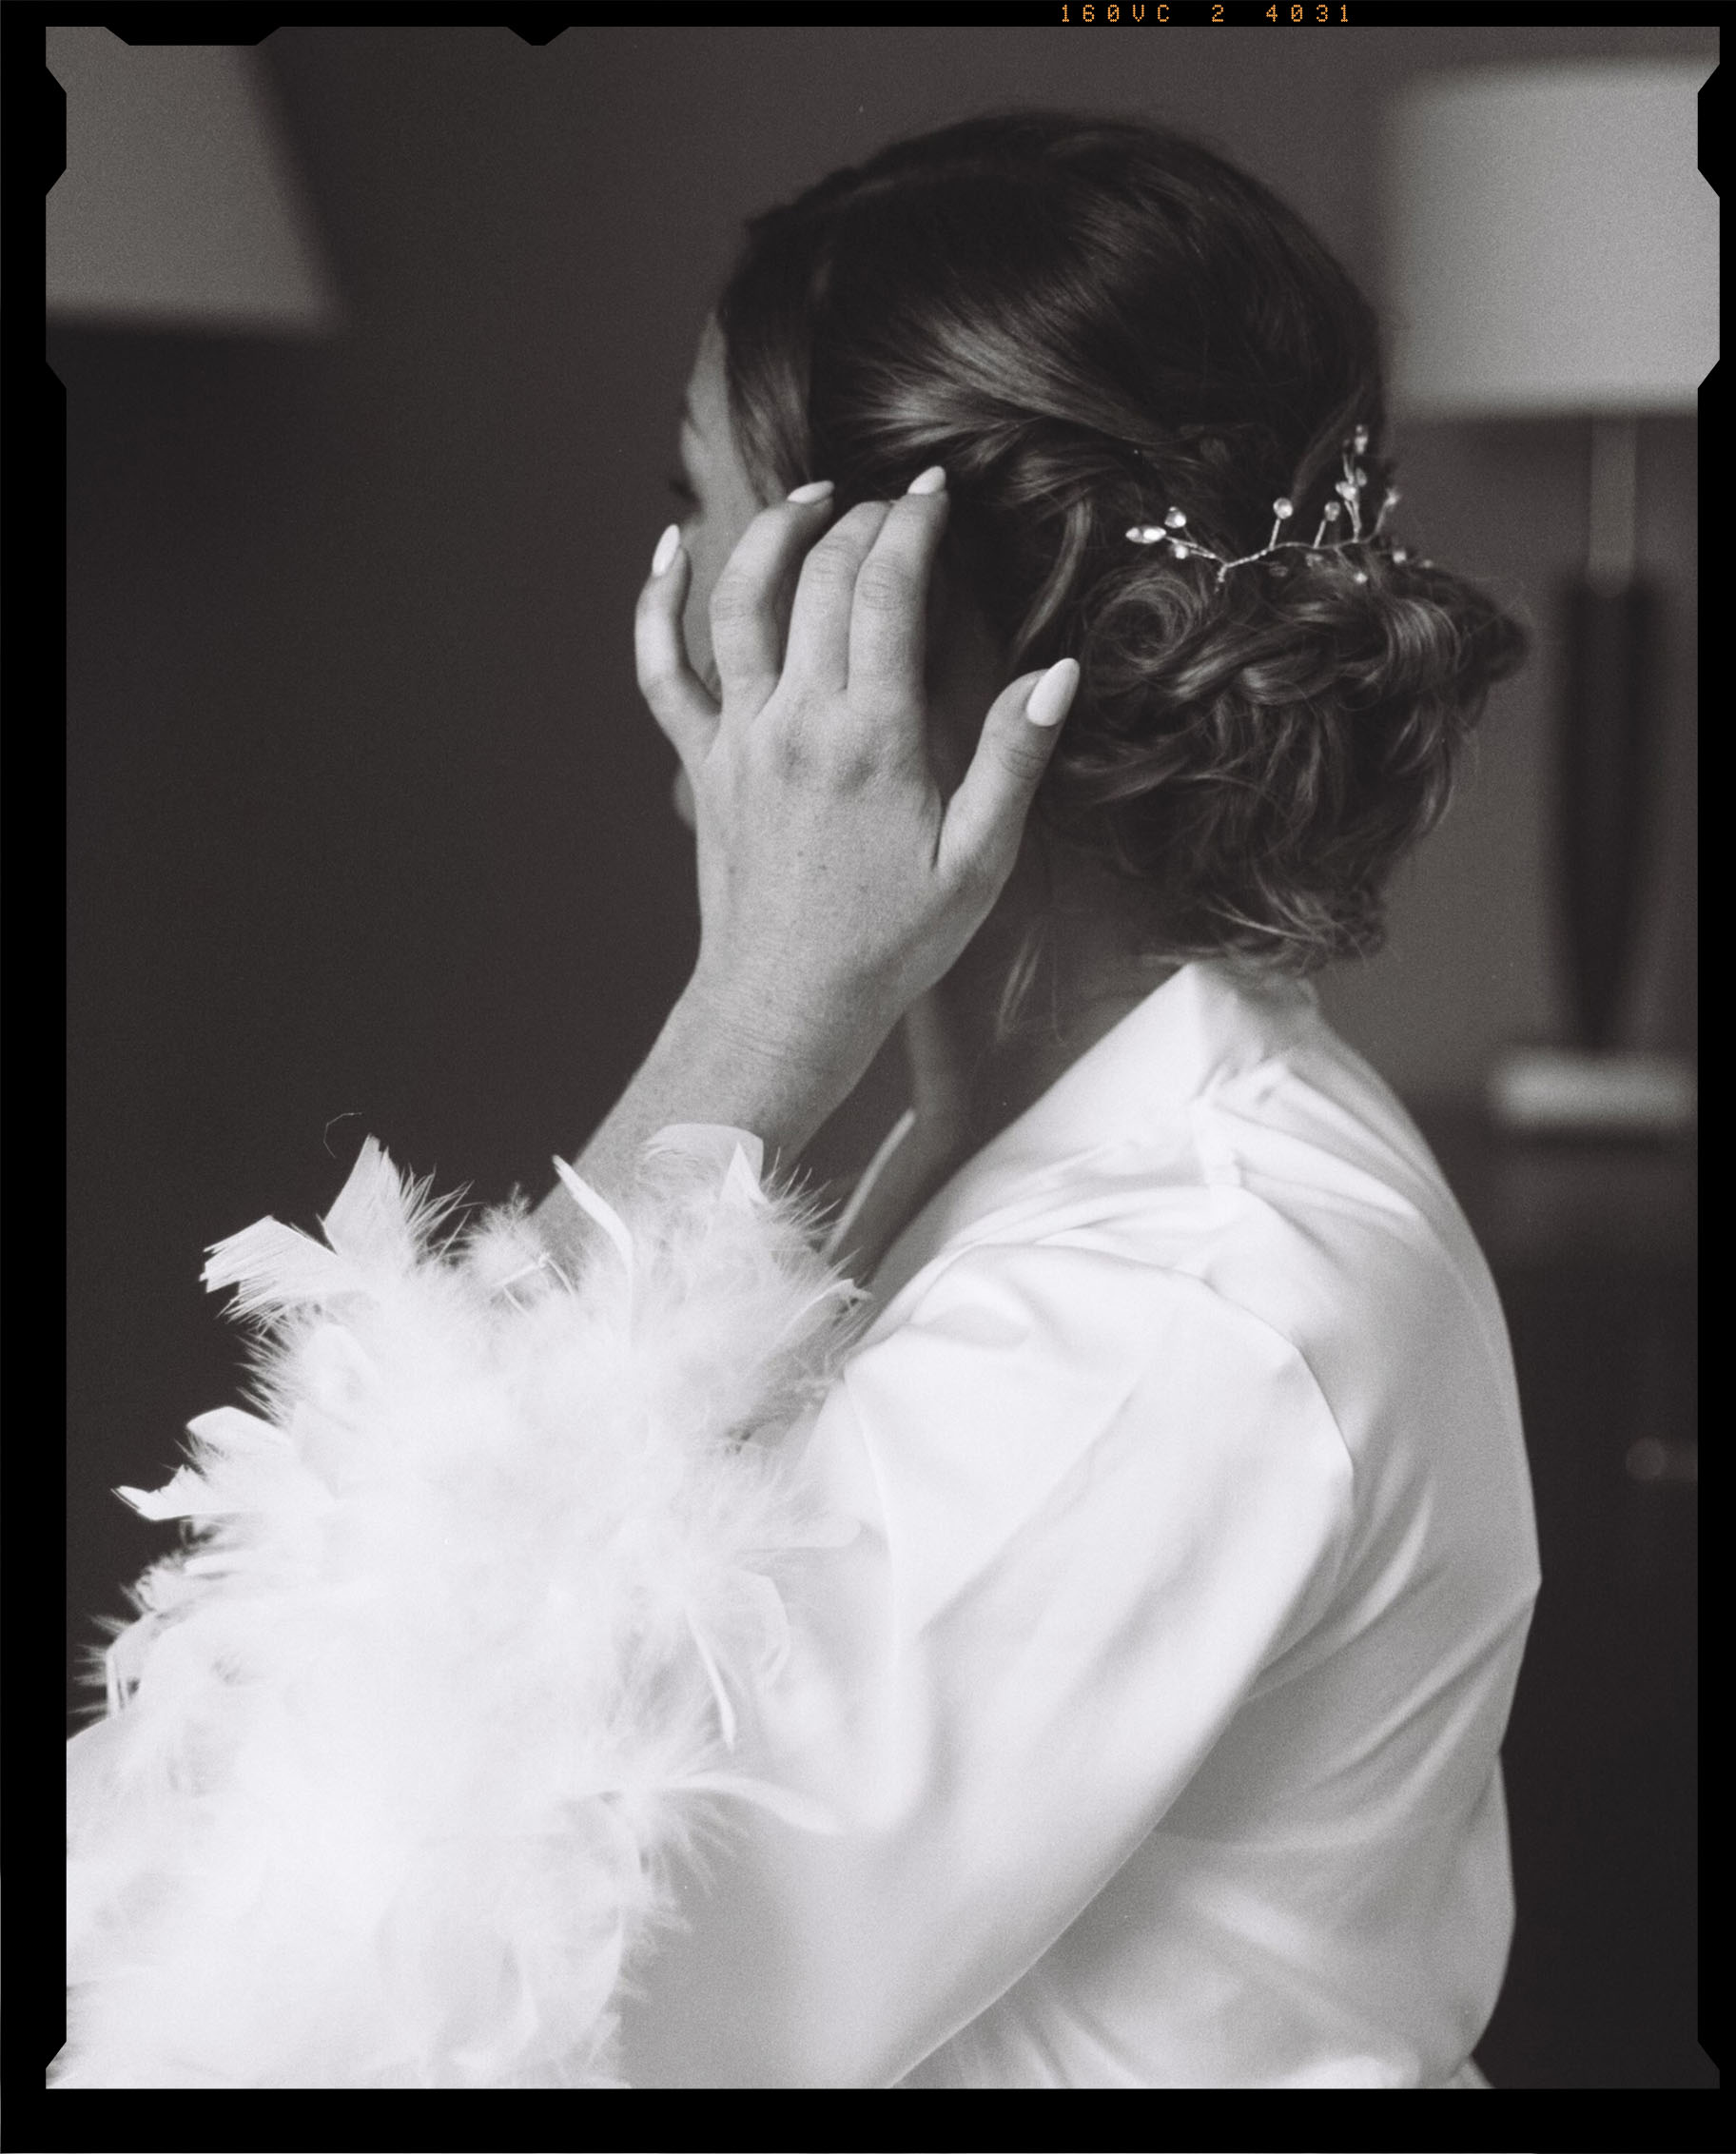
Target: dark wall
{"points": [[369, 830]]}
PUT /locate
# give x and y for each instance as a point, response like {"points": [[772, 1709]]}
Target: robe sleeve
{"points": [[398, 1750], [1095, 1501], [528, 1610]]}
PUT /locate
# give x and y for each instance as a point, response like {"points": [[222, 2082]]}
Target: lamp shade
{"points": [[1550, 246], [179, 205]]}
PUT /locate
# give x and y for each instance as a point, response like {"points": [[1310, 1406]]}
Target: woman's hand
{"points": [[835, 883]]}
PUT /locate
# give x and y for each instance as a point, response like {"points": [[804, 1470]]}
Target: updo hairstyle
{"points": [[1089, 321]]}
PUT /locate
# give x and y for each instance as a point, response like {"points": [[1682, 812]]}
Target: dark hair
{"points": [[1089, 320]]}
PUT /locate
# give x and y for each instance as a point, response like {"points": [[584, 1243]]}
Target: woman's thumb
{"points": [[986, 814]]}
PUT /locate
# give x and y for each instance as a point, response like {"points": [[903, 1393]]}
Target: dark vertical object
{"points": [[1594, 1252], [1606, 757]]}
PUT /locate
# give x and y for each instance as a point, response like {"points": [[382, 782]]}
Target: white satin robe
{"points": [[1157, 1701]]}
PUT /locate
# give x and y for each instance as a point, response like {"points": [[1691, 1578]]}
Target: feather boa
{"points": [[403, 1740]]}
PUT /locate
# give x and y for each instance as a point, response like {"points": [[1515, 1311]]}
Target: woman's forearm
{"points": [[711, 1064]]}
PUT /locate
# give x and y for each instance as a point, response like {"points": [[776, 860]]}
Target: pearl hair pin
{"points": [[1172, 531]]}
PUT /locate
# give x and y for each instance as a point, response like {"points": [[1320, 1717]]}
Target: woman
{"points": [[1154, 1550]]}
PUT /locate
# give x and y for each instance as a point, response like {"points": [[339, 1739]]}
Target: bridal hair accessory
{"points": [[1349, 490]]}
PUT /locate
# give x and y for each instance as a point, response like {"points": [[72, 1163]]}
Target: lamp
{"points": [[1552, 251], [179, 208]]}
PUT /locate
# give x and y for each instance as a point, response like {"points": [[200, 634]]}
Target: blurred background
{"points": [[372, 341]]}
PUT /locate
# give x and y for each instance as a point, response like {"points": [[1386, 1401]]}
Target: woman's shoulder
{"points": [[1348, 1225], [1292, 1212], [1035, 1373], [1221, 1170]]}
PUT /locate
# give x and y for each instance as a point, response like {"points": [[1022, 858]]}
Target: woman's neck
{"points": [[968, 1084]]}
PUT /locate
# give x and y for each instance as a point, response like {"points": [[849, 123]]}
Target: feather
{"points": [[604, 1214], [401, 1745], [274, 1267]]}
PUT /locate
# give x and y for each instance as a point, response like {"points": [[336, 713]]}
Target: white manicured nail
{"points": [[815, 490], [933, 480], [1053, 695], [668, 547]]}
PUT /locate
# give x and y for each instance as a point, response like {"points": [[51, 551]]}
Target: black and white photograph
{"points": [[882, 1048]]}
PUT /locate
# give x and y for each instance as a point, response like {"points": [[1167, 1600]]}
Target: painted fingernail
{"points": [[815, 490], [933, 480], [1053, 695], [668, 547]]}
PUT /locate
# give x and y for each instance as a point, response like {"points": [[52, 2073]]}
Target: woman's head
{"points": [[1088, 322]]}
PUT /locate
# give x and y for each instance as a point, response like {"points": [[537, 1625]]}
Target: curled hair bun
{"points": [[1258, 754], [1087, 321]]}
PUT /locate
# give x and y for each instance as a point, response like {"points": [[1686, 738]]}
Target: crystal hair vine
{"points": [[1349, 490]]}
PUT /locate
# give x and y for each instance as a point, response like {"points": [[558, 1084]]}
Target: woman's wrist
{"points": [[777, 1069], [724, 1056]]}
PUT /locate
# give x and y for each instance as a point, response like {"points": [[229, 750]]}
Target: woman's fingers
{"points": [[679, 698], [984, 819], [747, 613], [819, 649], [889, 618]]}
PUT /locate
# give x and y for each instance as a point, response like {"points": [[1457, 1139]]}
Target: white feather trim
{"points": [[400, 1744]]}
